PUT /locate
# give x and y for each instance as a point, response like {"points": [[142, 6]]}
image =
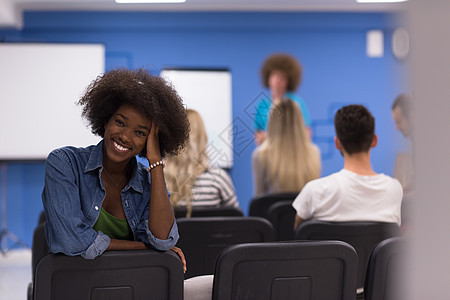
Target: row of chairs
{"points": [[272, 270], [203, 240]]}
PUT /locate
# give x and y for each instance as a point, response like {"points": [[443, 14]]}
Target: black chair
{"points": [[308, 270], [124, 275], [225, 211], [259, 205], [281, 215], [42, 217], [202, 239], [385, 271], [128, 275], [363, 236], [39, 249]]}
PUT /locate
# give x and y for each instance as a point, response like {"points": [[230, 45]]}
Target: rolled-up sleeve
{"points": [[99, 246], [66, 228], [159, 244]]}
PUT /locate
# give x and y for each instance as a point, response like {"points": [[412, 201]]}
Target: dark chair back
{"points": [[39, 248], [307, 270], [385, 271], [259, 205], [281, 215], [363, 236], [124, 275], [202, 239], [42, 217], [180, 212]]}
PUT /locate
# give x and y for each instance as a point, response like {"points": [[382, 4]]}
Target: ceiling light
{"points": [[150, 1], [380, 1]]}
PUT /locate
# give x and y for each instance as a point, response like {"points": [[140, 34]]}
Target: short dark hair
{"points": [[150, 94], [355, 128], [404, 102], [285, 63]]}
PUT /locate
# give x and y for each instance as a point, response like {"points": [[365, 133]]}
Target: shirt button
{"points": [[96, 207]]}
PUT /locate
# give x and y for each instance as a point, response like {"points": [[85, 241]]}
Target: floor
{"points": [[15, 274]]}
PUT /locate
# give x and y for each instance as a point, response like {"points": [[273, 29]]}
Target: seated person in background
{"points": [[402, 114], [190, 180], [287, 159], [100, 198], [356, 193], [281, 73]]}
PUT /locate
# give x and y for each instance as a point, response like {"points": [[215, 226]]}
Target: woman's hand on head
{"points": [[153, 152]]}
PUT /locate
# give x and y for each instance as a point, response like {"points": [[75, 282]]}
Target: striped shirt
{"points": [[213, 188]]}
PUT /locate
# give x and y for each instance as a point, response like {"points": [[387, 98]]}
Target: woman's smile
{"points": [[120, 148]]}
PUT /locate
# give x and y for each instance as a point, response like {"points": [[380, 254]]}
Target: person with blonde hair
{"points": [[287, 159], [190, 179]]}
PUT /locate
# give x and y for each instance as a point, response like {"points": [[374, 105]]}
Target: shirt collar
{"points": [[95, 159], [96, 162]]}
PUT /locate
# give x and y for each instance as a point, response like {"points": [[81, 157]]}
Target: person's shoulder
{"points": [[320, 184], [293, 97], [217, 171], [71, 151], [326, 184], [297, 99], [391, 180], [264, 102]]}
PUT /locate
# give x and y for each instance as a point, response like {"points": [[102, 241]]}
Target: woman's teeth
{"points": [[120, 147]]}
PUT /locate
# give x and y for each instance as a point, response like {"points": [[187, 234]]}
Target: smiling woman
{"points": [[100, 198]]}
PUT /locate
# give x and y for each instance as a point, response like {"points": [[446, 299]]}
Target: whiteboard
{"points": [[39, 86], [209, 93]]}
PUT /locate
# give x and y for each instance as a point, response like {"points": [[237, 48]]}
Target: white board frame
{"points": [[209, 92], [40, 84]]}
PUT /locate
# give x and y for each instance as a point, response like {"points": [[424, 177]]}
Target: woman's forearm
{"points": [[126, 245], [161, 217]]}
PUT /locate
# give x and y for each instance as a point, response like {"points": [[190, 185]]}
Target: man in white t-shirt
{"points": [[355, 193]]}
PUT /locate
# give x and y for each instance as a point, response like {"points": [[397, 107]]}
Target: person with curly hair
{"points": [[282, 74], [100, 197], [190, 179]]}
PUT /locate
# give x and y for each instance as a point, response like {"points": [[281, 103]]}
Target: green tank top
{"points": [[113, 227]]}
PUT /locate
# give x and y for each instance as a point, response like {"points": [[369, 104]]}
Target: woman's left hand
{"points": [[181, 255], [153, 152]]}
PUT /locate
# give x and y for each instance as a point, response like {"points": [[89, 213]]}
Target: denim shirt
{"points": [[73, 195]]}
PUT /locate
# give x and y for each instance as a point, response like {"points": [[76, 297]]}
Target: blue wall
{"points": [[331, 47]]}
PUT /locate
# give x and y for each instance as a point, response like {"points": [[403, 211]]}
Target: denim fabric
{"points": [[73, 195]]}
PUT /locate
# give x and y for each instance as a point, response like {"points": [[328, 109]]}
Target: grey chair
{"points": [[281, 214], [307, 270], [39, 249], [124, 275], [386, 271], [225, 211], [259, 205], [202, 239], [363, 236]]}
